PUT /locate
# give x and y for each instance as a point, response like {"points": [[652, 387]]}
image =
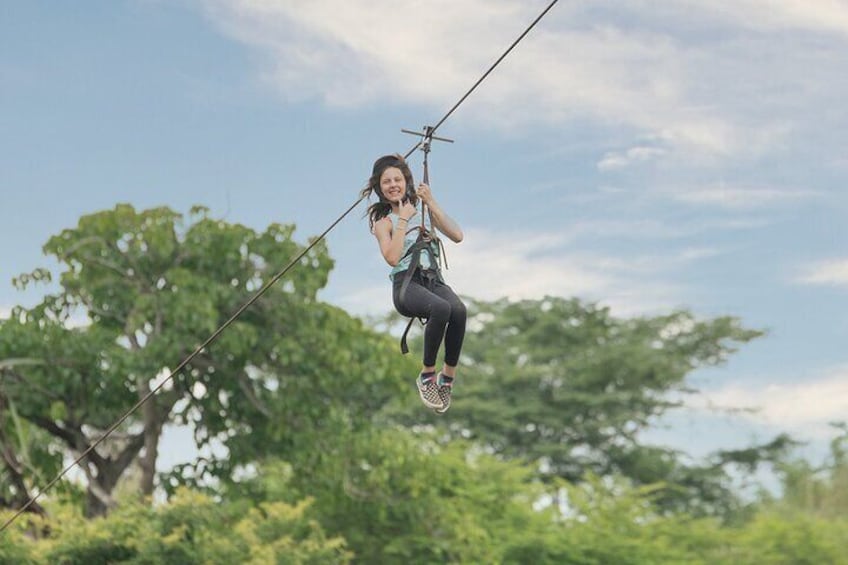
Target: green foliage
{"points": [[539, 461], [153, 287], [817, 491], [807, 523], [400, 497], [24, 447], [14, 547], [422, 504], [191, 528], [773, 539], [569, 388]]}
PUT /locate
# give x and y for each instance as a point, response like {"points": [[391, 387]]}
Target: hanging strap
{"points": [[425, 177], [422, 245], [426, 239]]}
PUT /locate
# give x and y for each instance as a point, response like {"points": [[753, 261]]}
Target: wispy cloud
{"points": [[596, 229], [806, 407], [370, 300], [637, 154], [353, 53], [833, 272], [814, 15], [524, 265], [528, 265], [692, 84], [741, 197]]}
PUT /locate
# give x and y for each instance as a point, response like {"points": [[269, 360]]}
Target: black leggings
{"points": [[445, 313]]}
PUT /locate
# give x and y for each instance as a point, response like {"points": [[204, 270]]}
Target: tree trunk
{"points": [[152, 432], [99, 493]]}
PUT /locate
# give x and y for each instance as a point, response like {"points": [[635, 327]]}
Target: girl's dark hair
{"points": [[382, 207]]}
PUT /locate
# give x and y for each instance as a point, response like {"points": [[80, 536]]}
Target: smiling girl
{"points": [[418, 288]]}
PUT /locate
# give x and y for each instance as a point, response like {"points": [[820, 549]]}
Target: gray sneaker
{"points": [[445, 389], [428, 390]]}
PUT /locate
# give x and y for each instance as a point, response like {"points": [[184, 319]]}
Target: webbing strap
{"points": [[404, 348], [421, 245], [425, 178]]}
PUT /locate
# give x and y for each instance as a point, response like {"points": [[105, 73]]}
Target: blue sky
{"points": [[646, 155]]}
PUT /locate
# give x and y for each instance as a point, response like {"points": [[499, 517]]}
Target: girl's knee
{"points": [[458, 311], [441, 310]]}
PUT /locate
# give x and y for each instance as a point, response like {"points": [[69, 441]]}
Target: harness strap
{"points": [[425, 177], [422, 244], [404, 348]]}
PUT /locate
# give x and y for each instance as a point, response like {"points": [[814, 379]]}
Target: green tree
{"points": [[400, 497], [570, 388], [817, 490], [151, 287], [192, 528]]}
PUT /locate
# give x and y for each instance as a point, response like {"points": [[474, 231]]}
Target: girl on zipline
{"points": [[418, 288]]}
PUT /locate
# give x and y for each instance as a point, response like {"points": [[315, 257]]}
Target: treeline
{"points": [[408, 500], [329, 456]]}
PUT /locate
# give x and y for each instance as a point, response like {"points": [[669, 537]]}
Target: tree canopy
{"points": [[151, 288], [324, 454]]}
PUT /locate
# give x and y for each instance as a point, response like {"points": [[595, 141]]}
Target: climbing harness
{"points": [[427, 241]]}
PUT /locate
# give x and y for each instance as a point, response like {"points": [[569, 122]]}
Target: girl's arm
{"points": [[390, 239], [441, 220]]}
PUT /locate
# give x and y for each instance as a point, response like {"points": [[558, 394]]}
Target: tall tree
{"points": [[151, 287], [571, 388]]}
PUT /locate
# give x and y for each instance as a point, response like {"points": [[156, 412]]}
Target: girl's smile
{"points": [[393, 185]]}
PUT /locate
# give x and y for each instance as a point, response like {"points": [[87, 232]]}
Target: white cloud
{"points": [[833, 272], [638, 154], [522, 265], [529, 265], [741, 197], [802, 407], [692, 84], [648, 228], [370, 300], [809, 15], [350, 53]]}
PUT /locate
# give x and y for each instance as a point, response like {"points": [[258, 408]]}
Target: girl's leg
{"points": [[455, 333], [421, 302]]}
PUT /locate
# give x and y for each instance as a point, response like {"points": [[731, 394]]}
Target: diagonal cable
{"points": [[492, 68], [258, 293]]}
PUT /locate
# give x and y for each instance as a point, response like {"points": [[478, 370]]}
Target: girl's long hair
{"points": [[382, 208]]}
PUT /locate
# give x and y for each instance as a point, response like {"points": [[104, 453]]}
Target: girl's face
{"points": [[393, 185]]}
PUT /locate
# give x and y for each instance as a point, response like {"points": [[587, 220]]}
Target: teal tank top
{"points": [[409, 239]]}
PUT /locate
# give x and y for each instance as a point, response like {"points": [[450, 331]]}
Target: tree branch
{"points": [[74, 438]]}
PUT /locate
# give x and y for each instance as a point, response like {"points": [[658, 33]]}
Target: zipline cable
{"points": [[258, 293], [495, 64]]}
